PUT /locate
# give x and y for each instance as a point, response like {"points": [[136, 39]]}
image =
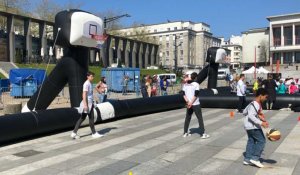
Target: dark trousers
{"points": [[198, 113], [82, 118], [241, 104]]}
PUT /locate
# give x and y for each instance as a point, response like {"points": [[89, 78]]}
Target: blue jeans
{"points": [[255, 145], [124, 90], [102, 98], [164, 92]]}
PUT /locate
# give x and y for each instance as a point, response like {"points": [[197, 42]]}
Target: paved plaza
{"points": [[153, 144]]}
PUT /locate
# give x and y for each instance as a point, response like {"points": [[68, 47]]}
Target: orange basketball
{"points": [[273, 135]]}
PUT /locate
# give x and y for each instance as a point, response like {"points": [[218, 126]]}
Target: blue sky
{"points": [[225, 17]]}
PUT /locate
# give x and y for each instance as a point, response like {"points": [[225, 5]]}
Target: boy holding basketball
{"points": [[254, 120]]}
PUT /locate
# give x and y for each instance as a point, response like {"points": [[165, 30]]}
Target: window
{"points": [[181, 36], [160, 38], [181, 52], [168, 45], [168, 29], [297, 34], [287, 57], [155, 30], [288, 36], [297, 57], [276, 56], [175, 28], [277, 36], [168, 53], [167, 37]]}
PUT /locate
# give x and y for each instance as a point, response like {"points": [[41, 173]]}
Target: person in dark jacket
{"points": [[270, 85], [164, 84]]}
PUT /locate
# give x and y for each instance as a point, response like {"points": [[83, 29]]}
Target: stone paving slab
{"points": [[153, 144]]}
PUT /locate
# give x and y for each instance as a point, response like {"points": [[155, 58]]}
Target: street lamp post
{"points": [[175, 54], [105, 21]]}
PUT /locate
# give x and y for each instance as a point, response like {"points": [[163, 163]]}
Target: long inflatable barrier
{"points": [[29, 124], [24, 125]]}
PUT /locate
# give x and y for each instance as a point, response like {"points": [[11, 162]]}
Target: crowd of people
{"points": [[151, 86], [271, 85]]}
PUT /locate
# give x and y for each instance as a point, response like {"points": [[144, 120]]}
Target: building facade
{"points": [[181, 43], [234, 44], [255, 46], [285, 38]]}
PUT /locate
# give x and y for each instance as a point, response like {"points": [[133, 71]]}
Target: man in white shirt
{"points": [[241, 93], [86, 108], [191, 96]]}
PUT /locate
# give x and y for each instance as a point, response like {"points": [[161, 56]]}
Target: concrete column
{"points": [[271, 44], [28, 38], [282, 36], [140, 57], [11, 38], [156, 54], [110, 53], [118, 48], [293, 57], [152, 57], [146, 55], [294, 35], [133, 50], [43, 37], [92, 56], [281, 57], [105, 52], [126, 52]]}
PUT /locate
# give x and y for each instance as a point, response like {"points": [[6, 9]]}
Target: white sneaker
{"points": [[97, 135], [75, 135], [186, 134], [257, 163], [205, 136], [246, 162]]}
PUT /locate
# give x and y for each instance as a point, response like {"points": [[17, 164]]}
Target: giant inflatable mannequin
{"points": [[77, 31]]}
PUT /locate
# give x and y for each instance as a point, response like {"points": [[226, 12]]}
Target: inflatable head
{"points": [[217, 55], [78, 28]]}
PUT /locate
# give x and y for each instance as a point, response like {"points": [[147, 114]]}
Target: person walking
{"points": [[148, 85], [270, 85], [86, 108], [125, 84], [143, 87], [254, 120], [101, 88], [191, 97], [164, 84], [241, 93]]}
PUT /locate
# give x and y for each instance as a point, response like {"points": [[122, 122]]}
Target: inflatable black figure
{"points": [[75, 31]]}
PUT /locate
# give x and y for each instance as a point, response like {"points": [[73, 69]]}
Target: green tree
{"points": [[264, 52], [47, 9], [21, 6]]}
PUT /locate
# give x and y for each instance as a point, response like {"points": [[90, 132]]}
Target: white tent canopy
{"points": [[250, 70], [262, 70], [259, 70]]}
